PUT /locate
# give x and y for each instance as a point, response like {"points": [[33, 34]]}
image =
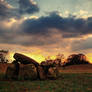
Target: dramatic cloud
{"points": [[7, 11], [50, 32], [67, 30], [25, 7], [68, 27]]}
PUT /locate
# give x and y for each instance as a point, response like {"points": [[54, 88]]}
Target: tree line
{"points": [[60, 60]]}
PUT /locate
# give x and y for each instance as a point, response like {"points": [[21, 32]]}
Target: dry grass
{"points": [[86, 68], [67, 82], [72, 79]]}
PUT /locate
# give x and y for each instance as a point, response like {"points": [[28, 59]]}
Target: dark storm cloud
{"points": [[68, 27], [47, 30], [7, 12], [25, 7]]}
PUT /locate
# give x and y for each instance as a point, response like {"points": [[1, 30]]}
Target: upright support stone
{"points": [[28, 72], [41, 73], [31, 69]]}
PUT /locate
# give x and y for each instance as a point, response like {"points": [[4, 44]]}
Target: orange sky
{"points": [[89, 56], [39, 57], [62, 27]]}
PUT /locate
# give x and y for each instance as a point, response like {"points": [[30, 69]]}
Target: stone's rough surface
{"points": [[24, 59], [27, 68], [41, 72], [28, 72], [25, 72], [3, 67], [10, 72], [52, 73]]}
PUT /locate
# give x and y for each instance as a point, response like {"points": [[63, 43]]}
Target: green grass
{"points": [[66, 83]]}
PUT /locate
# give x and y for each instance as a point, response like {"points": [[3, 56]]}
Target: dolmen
{"points": [[26, 68]]}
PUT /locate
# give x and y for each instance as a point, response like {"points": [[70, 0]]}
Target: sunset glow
{"points": [[39, 57], [44, 28], [89, 56]]}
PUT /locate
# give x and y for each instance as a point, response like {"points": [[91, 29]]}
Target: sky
{"points": [[40, 28]]}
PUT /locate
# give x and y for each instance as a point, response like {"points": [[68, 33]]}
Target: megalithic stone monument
{"points": [[24, 59], [29, 66]]}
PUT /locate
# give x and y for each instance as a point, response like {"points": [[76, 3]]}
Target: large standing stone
{"points": [[41, 73], [28, 72], [10, 72]]}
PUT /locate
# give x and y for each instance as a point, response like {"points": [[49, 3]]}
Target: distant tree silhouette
{"points": [[3, 54], [59, 59], [76, 59]]}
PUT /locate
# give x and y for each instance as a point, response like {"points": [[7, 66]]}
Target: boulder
{"points": [[26, 68], [24, 59], [28, 72], [52, 73], [25, 72], [10, 72], [41, 73]]}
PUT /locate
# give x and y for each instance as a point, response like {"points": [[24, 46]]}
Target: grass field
{"points": [[76, 78], [86, 68], [67, 82]]}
